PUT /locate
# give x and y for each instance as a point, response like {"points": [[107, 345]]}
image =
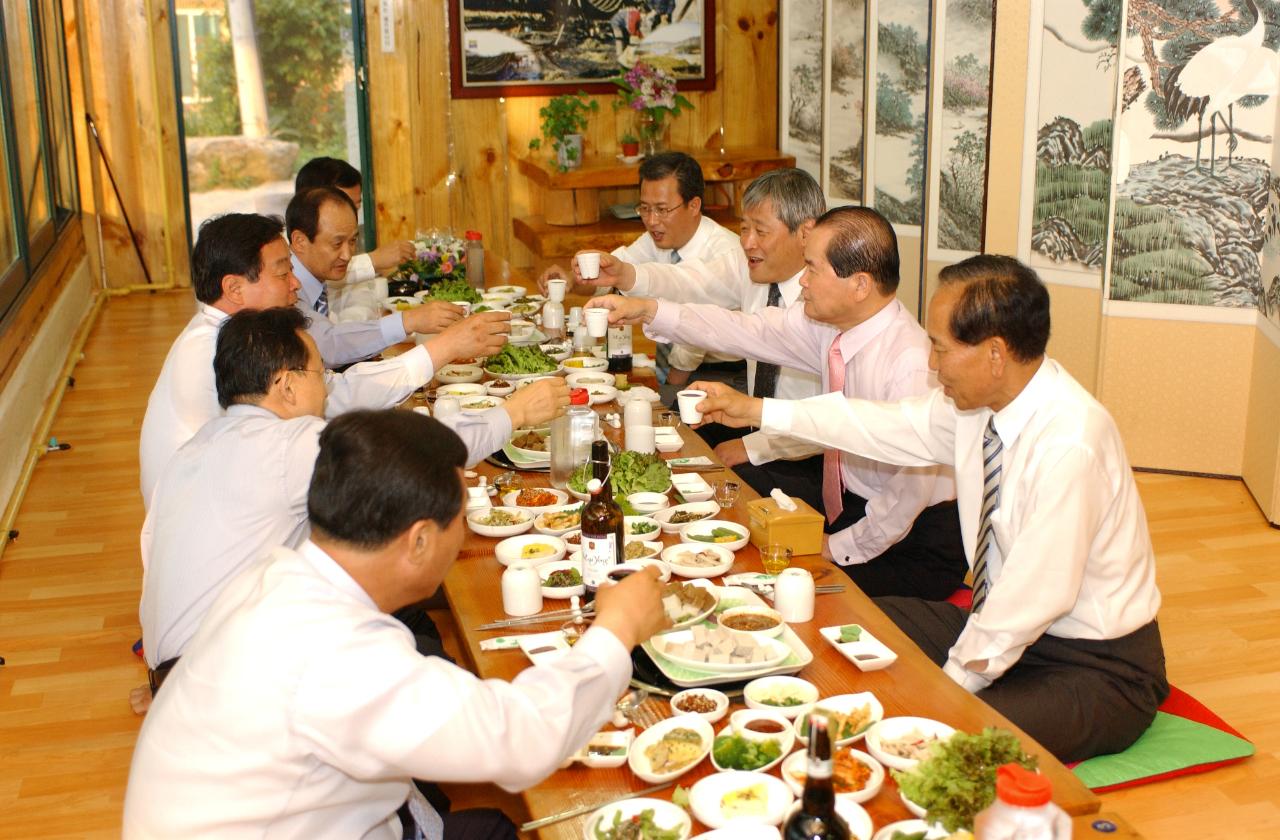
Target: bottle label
{"points": [[599, 555], [620, 341]]}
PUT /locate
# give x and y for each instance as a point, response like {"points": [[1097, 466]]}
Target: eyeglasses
{"points": [[658, 213]]}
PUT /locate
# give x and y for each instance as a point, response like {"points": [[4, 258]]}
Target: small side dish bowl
{"points": [[719, 699], [758, 622], [787, 696], [534, 549]]}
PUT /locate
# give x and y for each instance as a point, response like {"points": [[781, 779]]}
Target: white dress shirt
{"points": [[185, 396], [726, 282], [886, 357], [302, 710], [348, 341], [1074, 557], [710, 241], [229, 495]]}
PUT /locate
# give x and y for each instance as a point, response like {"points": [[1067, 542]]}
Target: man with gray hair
{"points": [[778, 210]]}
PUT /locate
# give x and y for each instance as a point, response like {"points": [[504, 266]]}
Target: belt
{"points": [[157, 675]]}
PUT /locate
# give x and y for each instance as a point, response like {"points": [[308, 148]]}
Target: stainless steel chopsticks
{"points": [[554, 615]]}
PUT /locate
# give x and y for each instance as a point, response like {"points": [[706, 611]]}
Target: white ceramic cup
{"points": [[465, 305], [556, 287], [521, 590], [589, 264], [447, 407], [637, 413], [793, 595], [688, 402], [640, 439], [597, 321]]}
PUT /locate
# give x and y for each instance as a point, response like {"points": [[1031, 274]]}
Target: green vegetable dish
{"points": [[733, 752], [632, 472], [453, 290], [958, 779], [514, 359], [638, 827]]}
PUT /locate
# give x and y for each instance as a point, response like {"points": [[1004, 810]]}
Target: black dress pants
{"points": [[1077, 697], [928, 562]]}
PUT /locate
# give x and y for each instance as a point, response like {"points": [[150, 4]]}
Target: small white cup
{"points": [[556, 287], [447, 407], [465, 305], [597, 321], [793, 595], [521, 590], [640, 439], [637, 413], [688, 402], [589, 264]]}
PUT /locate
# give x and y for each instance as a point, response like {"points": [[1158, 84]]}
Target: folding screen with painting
{"points": [[1196, 189]]}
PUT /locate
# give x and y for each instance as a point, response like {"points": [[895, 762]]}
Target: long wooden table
{"points": [[911, 686]]}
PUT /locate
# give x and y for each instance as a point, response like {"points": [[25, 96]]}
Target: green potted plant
{"points": [[563, 120], [630, 145]]}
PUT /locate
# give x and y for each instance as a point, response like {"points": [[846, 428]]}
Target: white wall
{"points": [[23, 398]]}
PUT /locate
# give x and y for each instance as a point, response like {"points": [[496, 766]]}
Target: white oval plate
{"points": [[582, 363], [895, 727], [795, 764], [462, 390], [562, 498], [480, 403], [706, 796], [509, 550], [706, 526], [786, 740], [665, 816], [540, 521], [843, 703], [459, 374], [764, 686], [639, 762], [560, 592], [664, 516], [670, 553], [525, 523]]}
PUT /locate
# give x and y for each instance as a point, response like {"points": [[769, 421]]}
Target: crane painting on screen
{"points": [[1217, 76]]}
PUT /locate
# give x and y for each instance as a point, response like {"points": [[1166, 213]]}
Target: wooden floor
{"points": [[69, 590]]}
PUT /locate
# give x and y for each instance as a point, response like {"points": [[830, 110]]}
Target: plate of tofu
{"points": [[720, 650], [696, 675]]}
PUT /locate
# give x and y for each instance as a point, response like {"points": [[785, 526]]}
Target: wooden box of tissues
{"points": [[799, 530]]}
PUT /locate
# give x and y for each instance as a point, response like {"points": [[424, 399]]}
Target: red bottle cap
{"points": [[579, 396], [1017, 785], [474, 234]]}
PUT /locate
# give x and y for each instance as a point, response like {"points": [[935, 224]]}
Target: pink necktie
{"points": [[832, 481]]}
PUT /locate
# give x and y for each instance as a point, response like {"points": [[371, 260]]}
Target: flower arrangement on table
{"points": [[651, 93], [436, 259]]}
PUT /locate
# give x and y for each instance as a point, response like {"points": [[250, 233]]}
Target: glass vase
{"points": [[651, 128]]}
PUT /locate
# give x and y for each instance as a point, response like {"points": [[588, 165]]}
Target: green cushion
{"points": [[1170, 745]]}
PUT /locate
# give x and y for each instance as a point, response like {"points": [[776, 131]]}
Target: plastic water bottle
{"points": [[571, 436], [1022, 810], [475, 259]]}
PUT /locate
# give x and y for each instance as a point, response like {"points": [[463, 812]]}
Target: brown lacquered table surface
{"points": [[911, 686]]}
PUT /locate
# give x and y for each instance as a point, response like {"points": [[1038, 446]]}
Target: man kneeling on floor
{"points": [[301, 709]]}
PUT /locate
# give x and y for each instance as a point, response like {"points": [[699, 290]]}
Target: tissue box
{"points": [[799, 530]]}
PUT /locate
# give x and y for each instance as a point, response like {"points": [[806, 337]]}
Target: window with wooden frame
{"points": [[38, 195]]}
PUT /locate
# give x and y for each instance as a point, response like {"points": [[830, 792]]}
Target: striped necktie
{"points": [[992, 449], [766, 381], [322, 302]]}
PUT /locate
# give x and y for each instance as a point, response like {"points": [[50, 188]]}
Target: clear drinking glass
{"points": [[727, 493], [775, 558]]}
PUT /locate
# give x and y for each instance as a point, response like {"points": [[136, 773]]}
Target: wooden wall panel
{"points": [[421, 137], [128, 88]]}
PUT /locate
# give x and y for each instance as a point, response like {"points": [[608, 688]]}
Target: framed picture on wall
{"points": [[547, 47]]}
